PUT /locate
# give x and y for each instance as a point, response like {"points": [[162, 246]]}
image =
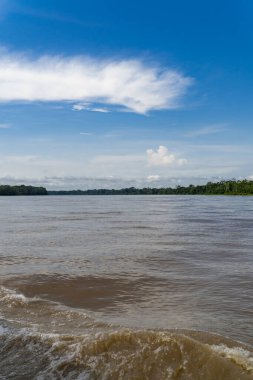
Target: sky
{"points": [[112, 94]]}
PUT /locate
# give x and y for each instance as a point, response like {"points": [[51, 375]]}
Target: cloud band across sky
{"points": [[131, 83]]}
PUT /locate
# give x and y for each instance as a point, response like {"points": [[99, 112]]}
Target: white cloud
{"points": [[85, 107], [4, 126], [79, 107], [86, 133], [21, 159], [103, 110], [152, 178], [208, 130], [127, 165], [162, 157], [108, 182], [130, 83]]}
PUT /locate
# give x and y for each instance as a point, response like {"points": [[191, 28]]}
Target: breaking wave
{"points": [[45, 340]]}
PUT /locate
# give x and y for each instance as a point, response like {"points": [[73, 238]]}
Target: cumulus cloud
{"points": [[129, 83], [162, 157]]}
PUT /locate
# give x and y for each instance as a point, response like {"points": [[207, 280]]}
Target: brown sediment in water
{"points": [[89, 292], [58, 342], [155, 267], [123, 354]]}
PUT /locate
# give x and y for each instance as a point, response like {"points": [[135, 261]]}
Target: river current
{"points": [[126, 287]]}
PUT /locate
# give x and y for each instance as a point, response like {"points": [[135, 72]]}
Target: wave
{"points": [[44, 340], [123, 354]]}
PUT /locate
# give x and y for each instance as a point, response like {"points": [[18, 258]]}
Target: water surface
{"points": [[149, 264]]}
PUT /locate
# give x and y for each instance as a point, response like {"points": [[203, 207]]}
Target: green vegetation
{"points": [[233, 187], [22, 190]]}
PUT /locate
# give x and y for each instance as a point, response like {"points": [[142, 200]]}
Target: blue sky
{"points": [[131, 93]]}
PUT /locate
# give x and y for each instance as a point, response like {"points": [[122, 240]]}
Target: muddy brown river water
{"points": [[126, 287]]}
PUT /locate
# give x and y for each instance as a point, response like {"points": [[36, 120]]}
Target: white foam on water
{"points": [[9, 294], [238, 355], [3, 330]]}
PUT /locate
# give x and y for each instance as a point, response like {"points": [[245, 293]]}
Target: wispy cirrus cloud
{"points": [[129, 83], [40, 12], [4, 8], [4, 126], [85, 107], [207, 130], [162, 157]]}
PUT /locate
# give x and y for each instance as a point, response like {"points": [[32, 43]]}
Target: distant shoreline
{"points": [[232, 187], [8, 190]]}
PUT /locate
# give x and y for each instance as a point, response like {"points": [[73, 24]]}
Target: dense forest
{"points": [[22, 190], [233, 187]]}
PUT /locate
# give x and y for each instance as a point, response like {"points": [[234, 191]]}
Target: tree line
{"points": [[231, 187], [22, 190]]}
